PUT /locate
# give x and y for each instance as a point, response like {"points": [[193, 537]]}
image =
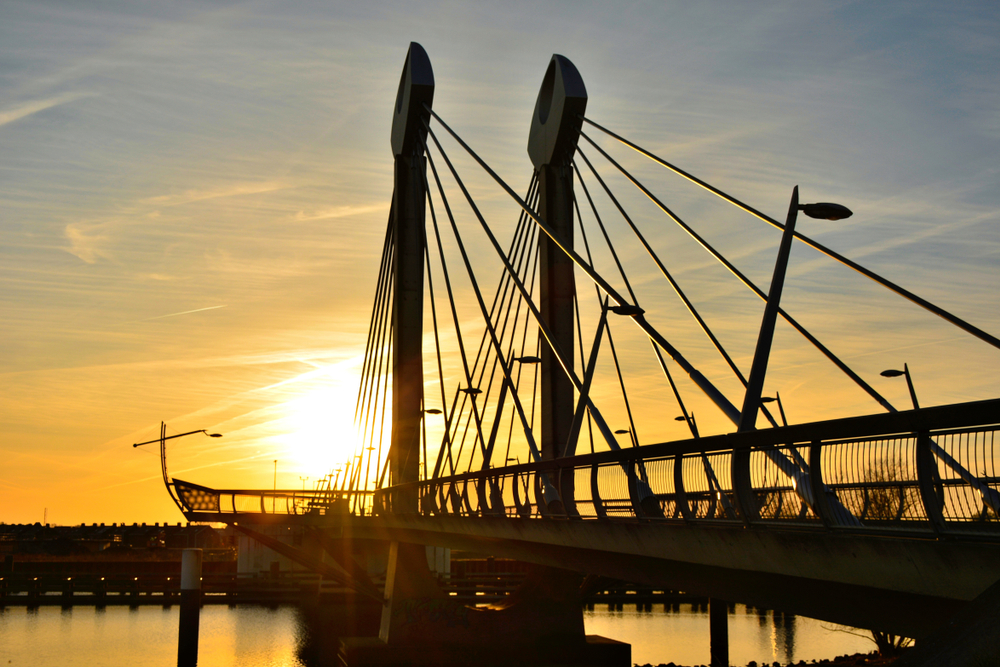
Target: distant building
{"points": [[94, 538]]}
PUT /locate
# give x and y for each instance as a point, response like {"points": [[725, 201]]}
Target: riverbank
{"points": [[855, 660]]}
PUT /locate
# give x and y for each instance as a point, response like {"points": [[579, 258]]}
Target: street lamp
{"points": [[781, 408], [692, 424], [826, 211], [893, 373], [627, 310], [755, 383], [179, 435], [163, 453], [628, 431]]}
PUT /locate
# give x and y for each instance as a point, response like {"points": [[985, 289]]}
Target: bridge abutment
{"points": [[541, 623]]}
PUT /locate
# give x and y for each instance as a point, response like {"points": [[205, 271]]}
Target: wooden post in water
{"points": [[718, 629], [187, 636]]}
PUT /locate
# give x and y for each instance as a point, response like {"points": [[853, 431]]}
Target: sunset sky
{"points": [[193, 198]]}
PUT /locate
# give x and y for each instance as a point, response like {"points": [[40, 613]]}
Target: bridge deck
{"points": [[855, 579], [897, 553]]}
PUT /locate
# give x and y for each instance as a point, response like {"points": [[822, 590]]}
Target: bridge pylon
{"points": [[409, 196], [408, 576], [543, 621], [555, 130]]}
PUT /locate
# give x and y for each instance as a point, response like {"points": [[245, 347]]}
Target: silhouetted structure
{"points": [[814, 519]]}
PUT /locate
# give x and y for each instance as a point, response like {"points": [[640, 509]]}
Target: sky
{"points": [[193, 198]]}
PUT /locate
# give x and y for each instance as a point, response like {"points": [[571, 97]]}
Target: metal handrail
{"points": [[943, 419], [932, 470]]}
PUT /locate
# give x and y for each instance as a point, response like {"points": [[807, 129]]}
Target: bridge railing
{"points": [[201, 499], [930, 471]]}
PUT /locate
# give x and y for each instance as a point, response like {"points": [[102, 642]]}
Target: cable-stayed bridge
{"points": [[886, 520]]}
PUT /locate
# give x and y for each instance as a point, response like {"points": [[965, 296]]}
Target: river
{"points": [[252, 636]]}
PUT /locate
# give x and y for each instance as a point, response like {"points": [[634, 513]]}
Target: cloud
{"points": [[191, 196], [339, 212], [86, 240], [185, 312], [26, 109]]}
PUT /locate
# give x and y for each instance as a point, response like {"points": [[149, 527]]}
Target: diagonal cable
{"points": [[746, 281], [885, 282], [716, 396], [475, 285]]}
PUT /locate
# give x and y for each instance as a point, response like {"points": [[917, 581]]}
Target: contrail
{"points": [[196, 310]]}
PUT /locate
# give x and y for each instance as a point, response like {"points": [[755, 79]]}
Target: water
{"points": [[682, 636], [251, 636]]}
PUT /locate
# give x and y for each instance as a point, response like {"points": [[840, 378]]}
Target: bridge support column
{"points": [[557, 290], [555, 130], [409, 132], [542, 622]]}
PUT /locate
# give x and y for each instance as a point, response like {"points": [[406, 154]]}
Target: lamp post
{"points": [[692, 424], [631, 436], [179, 435], [190, 613], [755, 383], [275, 475], [423, 426], [893, 373], [163, 452], [781, 408]]}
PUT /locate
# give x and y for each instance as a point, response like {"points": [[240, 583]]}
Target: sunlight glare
{"points": [[320, 423]]}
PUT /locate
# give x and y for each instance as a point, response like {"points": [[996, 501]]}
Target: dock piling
{"points": [[190, 616]]}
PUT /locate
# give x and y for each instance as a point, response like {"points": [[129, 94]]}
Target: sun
{"points": [[319, 422]]}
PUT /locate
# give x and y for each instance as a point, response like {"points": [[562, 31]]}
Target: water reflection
{"points": [[778, 631], [679, 633], [253, 636]]}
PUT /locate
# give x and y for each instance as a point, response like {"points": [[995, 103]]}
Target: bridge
{"points": [[886, 521]]}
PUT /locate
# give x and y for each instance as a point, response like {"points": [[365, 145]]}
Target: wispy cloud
{"points": [[338, 212], [184, 312], [88, 240], [237, 190], [25, 109]]}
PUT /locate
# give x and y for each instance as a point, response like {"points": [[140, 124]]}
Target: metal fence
{"points": [[924, 471], [201, 499]]}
